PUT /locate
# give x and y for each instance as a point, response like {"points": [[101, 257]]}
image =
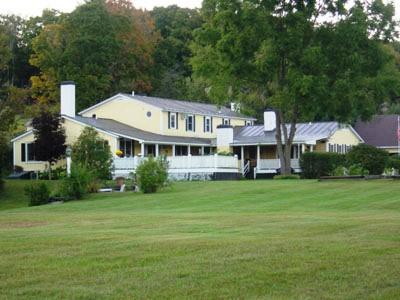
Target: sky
{"points": [[26, 8]]}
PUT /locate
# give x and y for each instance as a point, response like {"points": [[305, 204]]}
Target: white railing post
{"points": [[189, 161]]}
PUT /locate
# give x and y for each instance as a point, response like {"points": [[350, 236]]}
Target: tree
{"points": [[49, 135], [93, 153], [308, 60], [172, 54], [104, 46]]}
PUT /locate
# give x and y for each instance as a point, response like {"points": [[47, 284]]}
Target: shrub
{"points": [[393, 162], [76, 185], [340, 171], [152, 174], [93, 153], [37, 193], [225, 153], [357, 170], [316, 164], [369, 158], [287, 176]]}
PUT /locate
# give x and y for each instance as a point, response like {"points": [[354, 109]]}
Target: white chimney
{"points": [[224, 137], [269, 120], [67, 98], [133, 93]]}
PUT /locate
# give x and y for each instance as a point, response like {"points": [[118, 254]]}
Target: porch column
{"points": [[258, 156], [242, 157], [157, 150], [173, 150], [189, 150], [142, 149], [303, 148], [298, 151], [202, 150], [312, 148]]}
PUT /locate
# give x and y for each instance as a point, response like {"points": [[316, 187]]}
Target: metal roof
{"points": [[124, 130], [381, 131], [304, 132], [190, 107]]}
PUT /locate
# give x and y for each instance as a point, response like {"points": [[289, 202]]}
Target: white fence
{"points": [[182, 164]]}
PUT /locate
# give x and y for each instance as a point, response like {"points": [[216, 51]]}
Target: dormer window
{"points": [[226, 121], [247, 123]]}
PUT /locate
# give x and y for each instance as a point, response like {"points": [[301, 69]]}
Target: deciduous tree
{"points": [[307, 59]]}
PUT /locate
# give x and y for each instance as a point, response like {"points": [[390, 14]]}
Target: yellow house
{"points": [[190, 134]]}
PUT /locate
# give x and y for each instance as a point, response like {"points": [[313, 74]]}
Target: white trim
{"points": [[14, 155], [356, 133], [22, 135]]}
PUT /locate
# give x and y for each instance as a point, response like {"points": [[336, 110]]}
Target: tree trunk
{"points": [[284, 141], [49, 170]]}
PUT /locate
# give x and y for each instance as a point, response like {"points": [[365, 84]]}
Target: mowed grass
{"points": [[238, 239]]}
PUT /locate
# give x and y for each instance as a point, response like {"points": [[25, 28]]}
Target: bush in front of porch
{"points": [[152, 174], [317, 164]]}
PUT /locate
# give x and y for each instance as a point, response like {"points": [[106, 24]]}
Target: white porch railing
{"points": [[182, 164], [273, 164]]}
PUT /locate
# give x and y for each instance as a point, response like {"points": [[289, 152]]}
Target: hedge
{"points": [[369, 158], [317, 164]]}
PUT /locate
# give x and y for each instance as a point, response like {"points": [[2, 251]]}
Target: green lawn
{"points": [[243, 239]]}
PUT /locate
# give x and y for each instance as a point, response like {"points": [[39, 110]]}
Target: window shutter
{"points": [[211, 122], [176, 120], [23, 152], [186, 122], [194, 123], [169, 120], [204, 124]]}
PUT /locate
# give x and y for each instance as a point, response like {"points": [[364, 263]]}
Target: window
{"points": [[172, 120], [226, 121], [28, 152], [127, 147], [181, 150], [190, 123], [247, 123], [207, 124]]}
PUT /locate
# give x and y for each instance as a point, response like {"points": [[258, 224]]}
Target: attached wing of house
{"points": [[381, 132]]}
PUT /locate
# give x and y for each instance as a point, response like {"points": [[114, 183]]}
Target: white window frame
{"points": [[207, 121], [172, 120], [187, 123], [27, 155]]}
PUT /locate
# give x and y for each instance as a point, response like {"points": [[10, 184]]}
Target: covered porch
{"points": [[264, 159], [185, 161]]}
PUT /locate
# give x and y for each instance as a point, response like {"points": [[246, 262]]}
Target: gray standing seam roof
{"points": [[304, 132], [121, 129], [189, 107]]}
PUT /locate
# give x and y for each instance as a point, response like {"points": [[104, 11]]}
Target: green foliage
{"points": [[38, 193], [225, 153], [93, 153], [284, 177], [50, 137], [340, 171], [393, 162], [315, 164], [56, 174], [152, 174], [273, 54], [104, 46], [76, 185], [357, 170], [172, 53], [368, 157]]}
